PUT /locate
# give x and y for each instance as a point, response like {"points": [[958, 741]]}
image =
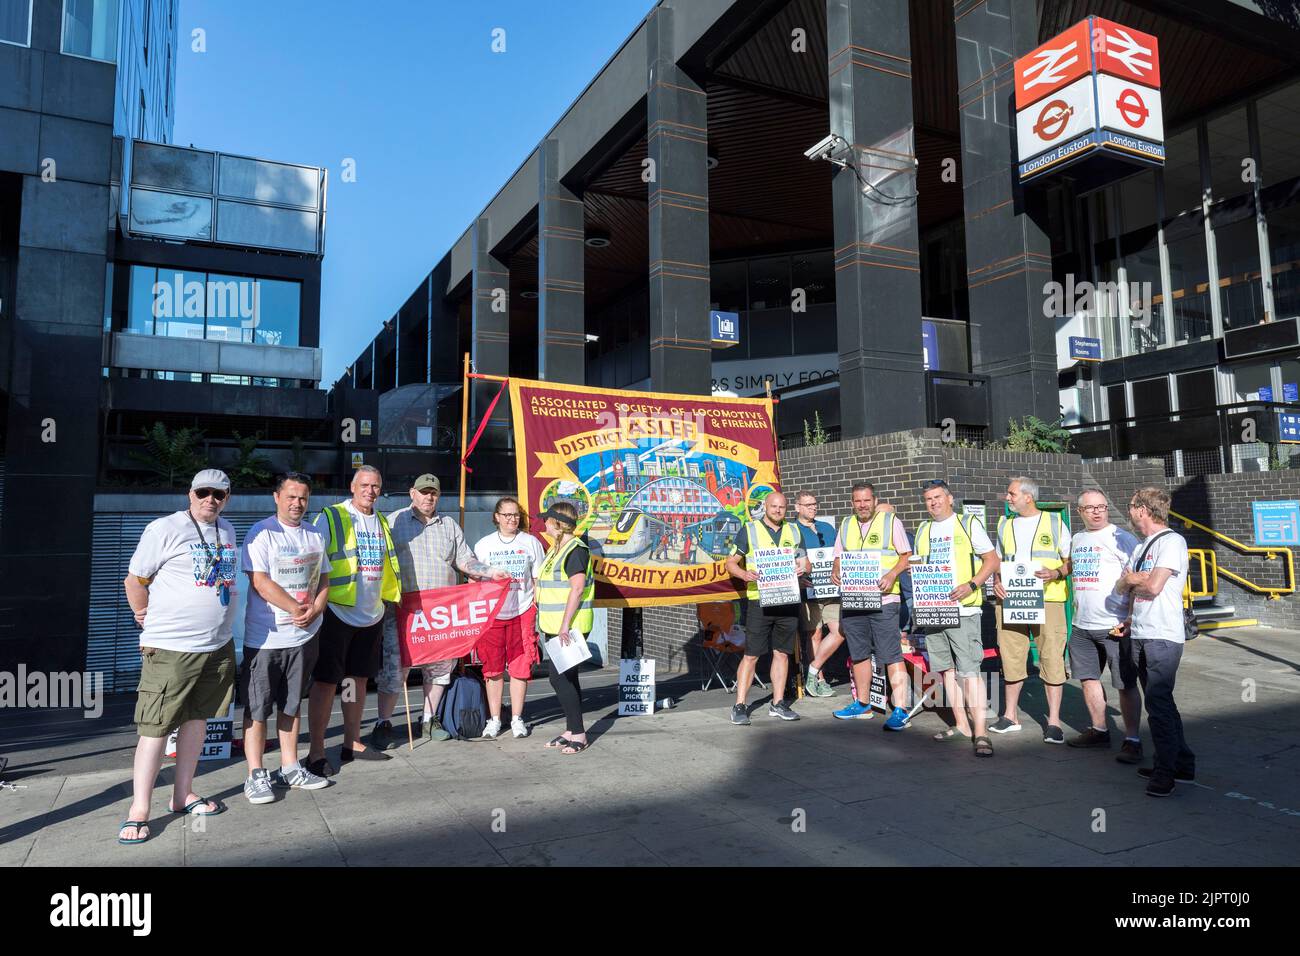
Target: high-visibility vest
{"points": [[1045, 549], [553, 591], [789, 538], [964, 559], [342, 554], [880, 539]]}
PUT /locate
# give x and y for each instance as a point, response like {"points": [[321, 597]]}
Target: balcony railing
{"points": [[212, 356]]}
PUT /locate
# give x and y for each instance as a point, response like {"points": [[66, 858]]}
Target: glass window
{"points": [[1196, 390], [727, 286], [1116, 403], [1240, 291], [278, 312], [1247, 380], [180, 303], [16, 22], [1137, 200], [1290, 382], [231, 308], [1229, 148], [1182, 173], [90, 28], [1151, 397], [140, 310], [814, 272], [1279, 135], [1284, 249], [1189, 288], [769, 283]]}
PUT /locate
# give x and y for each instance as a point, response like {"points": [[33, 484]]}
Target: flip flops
{"points": [[192, 808], [572, 747], [983, 747], [139, 825], [556, 742], [949, 734]]}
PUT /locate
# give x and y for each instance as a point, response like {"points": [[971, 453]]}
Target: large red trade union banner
{"points": [[662, 483]]}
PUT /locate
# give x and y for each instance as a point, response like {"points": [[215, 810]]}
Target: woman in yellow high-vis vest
{"points": [[565, 587]]}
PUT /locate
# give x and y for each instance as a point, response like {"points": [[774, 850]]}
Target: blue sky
{"points": [[435, 120]]}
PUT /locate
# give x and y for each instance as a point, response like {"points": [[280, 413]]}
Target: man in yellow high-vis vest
{"points": [[773, 628], [1041, 537]]}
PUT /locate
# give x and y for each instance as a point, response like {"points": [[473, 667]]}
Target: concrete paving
{"points": [[684, 787]]}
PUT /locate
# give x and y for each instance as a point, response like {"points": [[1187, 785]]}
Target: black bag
{"points": [[1190, 630]]}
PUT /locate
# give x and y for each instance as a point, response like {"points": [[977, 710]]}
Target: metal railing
{"points": [[1271, 554], [1209, 584]]}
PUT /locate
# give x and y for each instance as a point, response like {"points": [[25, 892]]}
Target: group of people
{"points": [[321, 621], [1127, 615]]}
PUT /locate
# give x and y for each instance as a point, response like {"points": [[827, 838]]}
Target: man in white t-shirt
{"points": [[364, 574], [181, 588], [957, 653], [510, 644], [1098, 556], [284, 559], [1155, 579], [1041, 538]]}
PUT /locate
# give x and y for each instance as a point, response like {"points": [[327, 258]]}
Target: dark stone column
{"points": [[681, 355], [561, 327], [877, 270], [489, 333], [1008, 253]]}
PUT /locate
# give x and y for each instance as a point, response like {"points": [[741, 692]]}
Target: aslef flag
{"points": [[445, 623]]}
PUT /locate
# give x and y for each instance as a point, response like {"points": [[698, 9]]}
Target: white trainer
{"points": [[518, 727], [493, 728]]}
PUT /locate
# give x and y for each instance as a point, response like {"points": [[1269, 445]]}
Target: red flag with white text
{"points": [[444, 623]]}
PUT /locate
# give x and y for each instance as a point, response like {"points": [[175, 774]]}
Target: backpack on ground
{"points": [[463, 710]]}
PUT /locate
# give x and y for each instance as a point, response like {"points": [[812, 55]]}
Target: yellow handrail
{"points": [[1209, 575], [1270, 554]]}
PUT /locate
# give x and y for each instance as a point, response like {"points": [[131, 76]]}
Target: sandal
{"points": [[949, 734], [139, 825], [556, 742], [192, 808], [574, 747], [983, 747]]}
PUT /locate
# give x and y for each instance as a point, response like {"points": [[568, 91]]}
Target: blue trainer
{"points": [[897, 719], [855, 711]]}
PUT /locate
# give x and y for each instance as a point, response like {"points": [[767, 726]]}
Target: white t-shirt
{"points": [[369, 608], [522, 556], [941, 552], [293, 557], [186, 612], [1097, 560], [1023, 530], [1161, 617]]}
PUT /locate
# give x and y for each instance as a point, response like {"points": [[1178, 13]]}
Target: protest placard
{"points": [[823, 562], [931, 606], [1024, 601], [777, 581], [860, 580]]}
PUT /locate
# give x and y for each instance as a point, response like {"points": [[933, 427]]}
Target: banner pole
{"points": [[798, 644], [464, 434], [406, 698]]}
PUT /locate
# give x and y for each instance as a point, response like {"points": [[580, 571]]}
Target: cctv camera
{"points": [[822, 148]]}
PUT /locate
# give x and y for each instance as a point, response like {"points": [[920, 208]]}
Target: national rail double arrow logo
{"points": [[1053, 119], [1132, 108]]}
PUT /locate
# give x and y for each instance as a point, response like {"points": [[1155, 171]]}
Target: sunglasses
{"points": [[204, 492]]}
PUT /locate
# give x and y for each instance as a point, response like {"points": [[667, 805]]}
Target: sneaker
{"points": [[1129, 752], [432, 729], [1180, 775], [781, 709], [320, 767], [518, 727], [816, 686], [299, 778], [855, 711], [382, 737], [1161, 785], [492, 729], [1003, 726], [897, 719], [739, 715], [1091, 737], [1053, 735], [258, 787]]}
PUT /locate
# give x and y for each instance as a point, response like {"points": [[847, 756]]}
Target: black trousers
{"points": [[569, 693]]}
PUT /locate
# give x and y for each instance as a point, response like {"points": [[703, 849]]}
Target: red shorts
{"points": [[513, 640]]}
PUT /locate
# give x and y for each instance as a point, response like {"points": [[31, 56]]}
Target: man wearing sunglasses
{"points": [[181, 588]]}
